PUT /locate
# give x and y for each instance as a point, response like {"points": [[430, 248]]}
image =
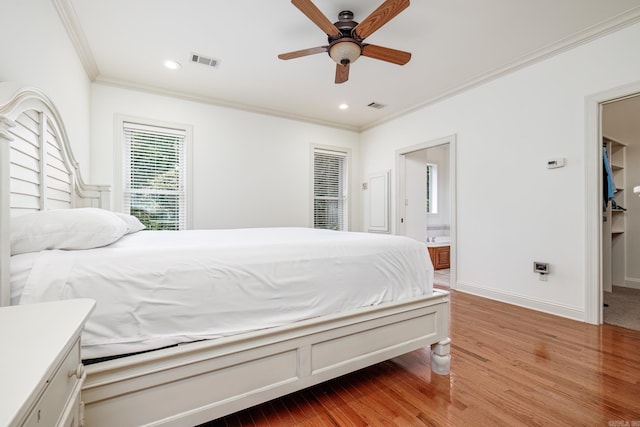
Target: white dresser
{"points": [[41, 372]]}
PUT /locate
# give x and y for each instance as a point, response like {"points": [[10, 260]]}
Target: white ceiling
{"points": [[455, 44]]}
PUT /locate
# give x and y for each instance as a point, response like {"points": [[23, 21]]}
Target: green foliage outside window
{"points": [[155, 190]]}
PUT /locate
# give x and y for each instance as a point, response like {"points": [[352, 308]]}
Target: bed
{"points": [[264, 346]]}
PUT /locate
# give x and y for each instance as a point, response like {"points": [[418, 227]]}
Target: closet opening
{"points": [[620, 239], [612, 223]]}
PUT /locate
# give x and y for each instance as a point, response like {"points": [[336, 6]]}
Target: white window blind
{"points": [[155, 175], [330, 189]]}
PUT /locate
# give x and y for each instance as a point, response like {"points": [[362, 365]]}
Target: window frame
{"points": [[431, 196], [346, 153], [120, 152]]}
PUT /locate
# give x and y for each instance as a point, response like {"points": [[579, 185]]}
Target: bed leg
{"points": [[441, 357]]}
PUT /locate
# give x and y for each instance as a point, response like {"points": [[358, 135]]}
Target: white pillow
{"points": [[133, 223], [81, 228]]}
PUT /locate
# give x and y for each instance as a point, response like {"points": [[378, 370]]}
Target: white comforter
{"points": [[158, 288]]}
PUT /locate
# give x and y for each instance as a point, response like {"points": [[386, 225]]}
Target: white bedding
{"points": [[159, 288]]}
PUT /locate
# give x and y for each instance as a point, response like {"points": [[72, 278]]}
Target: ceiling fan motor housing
{"points": [[344, 48], [345, 24]]}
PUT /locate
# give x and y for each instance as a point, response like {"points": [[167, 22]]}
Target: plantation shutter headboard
{"points": [[37, 168]]}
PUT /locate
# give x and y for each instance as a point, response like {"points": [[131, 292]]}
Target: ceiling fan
{"points": [[346, 36]]}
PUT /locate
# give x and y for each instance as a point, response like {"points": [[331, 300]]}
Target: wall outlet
{"points": [[541, 267]]}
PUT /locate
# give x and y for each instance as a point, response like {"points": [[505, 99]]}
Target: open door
{"points": [[426, 202], [597, 246]]}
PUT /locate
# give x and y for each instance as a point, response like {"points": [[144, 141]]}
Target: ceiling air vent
{"points": [[376, 105], [204, 60]]}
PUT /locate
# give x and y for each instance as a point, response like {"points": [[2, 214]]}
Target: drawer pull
{"points": [[79, 372]]}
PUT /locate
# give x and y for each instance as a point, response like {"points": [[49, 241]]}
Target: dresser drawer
{"points": [[62, 392], [71, 417]]}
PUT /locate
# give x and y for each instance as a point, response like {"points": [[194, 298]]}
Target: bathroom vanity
{"points": [[440, 255]]}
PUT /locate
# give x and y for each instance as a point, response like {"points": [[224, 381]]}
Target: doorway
{"points": [[621, 215], [426, 202], [607, 237]]}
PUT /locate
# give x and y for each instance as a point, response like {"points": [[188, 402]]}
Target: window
{"points": [[432, 188], [330, 189], [155, 179]]}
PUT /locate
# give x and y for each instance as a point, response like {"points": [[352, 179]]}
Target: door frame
{"points": [[593, 308], [400, 195]]}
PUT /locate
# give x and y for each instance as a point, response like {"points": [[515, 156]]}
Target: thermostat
{"points": [[555, 163]]}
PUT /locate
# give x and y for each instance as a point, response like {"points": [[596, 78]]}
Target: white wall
{"points": [[36, 51], [439, 155], [415, 194], [511, 210], [249, 170]]}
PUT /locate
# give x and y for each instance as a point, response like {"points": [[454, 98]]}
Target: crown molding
{"points": [[74, 30], [622, 20], [596, 31], [124, 84]]}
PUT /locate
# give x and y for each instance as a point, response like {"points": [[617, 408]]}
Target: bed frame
{"points": [[196, 382]]}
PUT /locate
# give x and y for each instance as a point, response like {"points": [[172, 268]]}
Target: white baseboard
{"points": [[574, 313], [631, 282]]}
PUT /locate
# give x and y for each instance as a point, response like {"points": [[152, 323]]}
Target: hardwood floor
{"points": [[510, 367]]}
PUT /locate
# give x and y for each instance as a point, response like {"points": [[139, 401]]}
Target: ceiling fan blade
{"points": [[303, 52], [386, 54], [342, 73], [317, 17], [383, 14]]}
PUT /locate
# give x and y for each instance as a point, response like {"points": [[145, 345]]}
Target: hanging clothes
{"points": [[609, 188]]}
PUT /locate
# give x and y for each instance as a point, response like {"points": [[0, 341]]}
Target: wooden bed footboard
{"points": [[198, 382]]}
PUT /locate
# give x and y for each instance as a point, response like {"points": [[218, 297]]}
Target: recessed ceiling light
{"points": [[172, 65], [343, 106]]}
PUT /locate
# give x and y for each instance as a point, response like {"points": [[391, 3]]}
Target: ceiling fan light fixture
{"points": [[346, 36], [345, 52]]}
